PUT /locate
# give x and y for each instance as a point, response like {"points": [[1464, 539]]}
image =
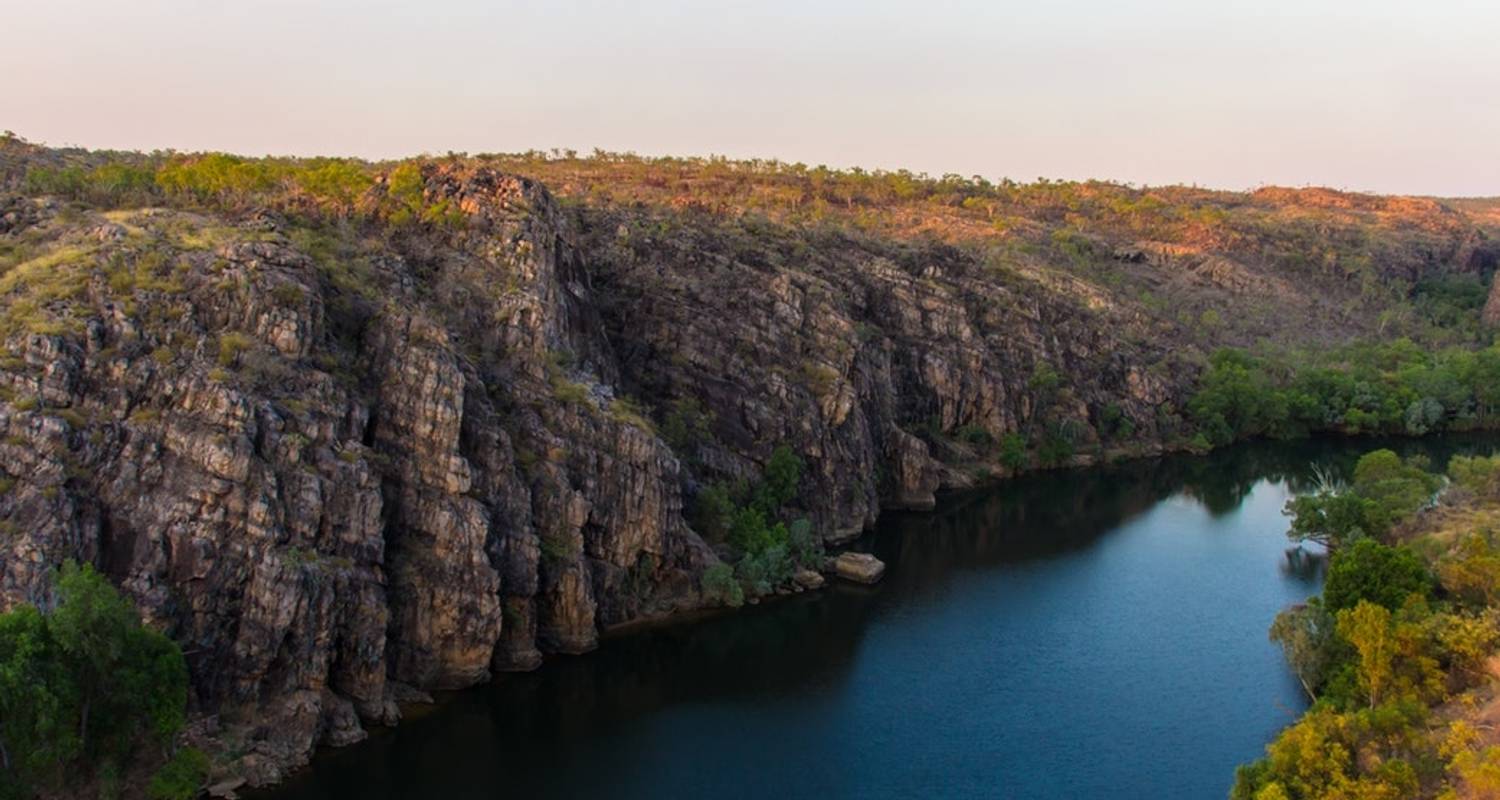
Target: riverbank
{"points": [[995, 597], [1400, 651]]}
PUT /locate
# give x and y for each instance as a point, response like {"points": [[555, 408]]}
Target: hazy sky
{"points": [[1360, 94]]}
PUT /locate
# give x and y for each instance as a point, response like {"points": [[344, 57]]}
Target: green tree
{"points": [[779, 480], [406, 194], [84, 684], [335, 184], [130, 679], [1331, 519], [36, 699], [1370, 571], [1013, 450], [1235, 399], [1306, 635], [1396, 489]]}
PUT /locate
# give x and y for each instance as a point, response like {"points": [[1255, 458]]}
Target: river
{"points": [[1091, 633]]}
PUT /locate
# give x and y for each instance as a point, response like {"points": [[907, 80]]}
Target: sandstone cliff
{"points": [[344, 463], [330, 492]]}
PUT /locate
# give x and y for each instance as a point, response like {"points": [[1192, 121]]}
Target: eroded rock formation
{"points": [[343, 467]]}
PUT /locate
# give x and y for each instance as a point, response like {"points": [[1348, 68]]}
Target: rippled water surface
{"points": [[1083, 634]]}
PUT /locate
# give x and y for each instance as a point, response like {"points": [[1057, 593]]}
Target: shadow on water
{"points": [[578, 724]]}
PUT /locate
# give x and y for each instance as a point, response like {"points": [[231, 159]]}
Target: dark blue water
{"points": [[1088, 634]]}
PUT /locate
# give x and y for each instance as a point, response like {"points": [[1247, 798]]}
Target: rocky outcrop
{"points": [[886, 365], [344, 463], [334, 478]]}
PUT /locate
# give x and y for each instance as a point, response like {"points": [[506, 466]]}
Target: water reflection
{"points": [[1305, 563], [1088, 613]]}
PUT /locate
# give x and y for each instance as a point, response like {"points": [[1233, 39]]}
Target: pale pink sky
{"points": [[1373, 95]]}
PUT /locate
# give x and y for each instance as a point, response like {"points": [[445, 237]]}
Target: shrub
{"points": [[1467, 641], [1045, 381], [719, 586], [232, 345], [750, 532], [557, 548], [568, 391], [1013, 450], [686, 426], [627, 411], [763, 571], [1367, 570], [820, 379], [288, 294], [1058, 442], [976, 435], [334, 184], [1477, 474], [746, 518], [780, 479], [1472, 570], [1114, 424], [181, 778], [806, 546], [406, 191]]}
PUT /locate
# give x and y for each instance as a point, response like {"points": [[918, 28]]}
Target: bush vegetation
{"points": [[1394, 388], [1388, 652], [1385, 491], [85, 689], [751, 519], [331, 188]]}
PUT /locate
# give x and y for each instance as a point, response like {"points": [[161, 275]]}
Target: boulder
{"points": [[808, 579], [227, 788], [859, 567]]}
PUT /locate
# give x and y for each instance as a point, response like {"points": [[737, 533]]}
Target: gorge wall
{"points": [[342, 469]]}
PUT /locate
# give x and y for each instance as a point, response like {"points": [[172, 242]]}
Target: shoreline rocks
{"points": [[859, 567], [808, 579]]}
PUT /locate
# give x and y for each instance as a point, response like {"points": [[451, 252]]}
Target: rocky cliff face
{"points": [[333, 492], [893, 369], [345, 464]]}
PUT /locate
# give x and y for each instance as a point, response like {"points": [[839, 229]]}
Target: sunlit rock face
{"points": [[343, 466]]}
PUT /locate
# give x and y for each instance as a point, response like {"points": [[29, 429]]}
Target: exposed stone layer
{"points": [[344, 467]]}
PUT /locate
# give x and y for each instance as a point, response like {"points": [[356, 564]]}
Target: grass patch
{"points": [[232, 345], [628, 411]]}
